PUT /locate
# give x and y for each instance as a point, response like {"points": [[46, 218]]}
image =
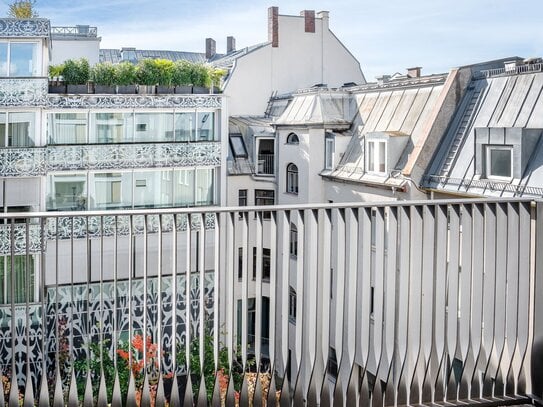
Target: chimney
{"points": [[230, 44], [325, 16], [309, 16], [273, 26], [211, 48], [414, 72], [382, 79]]}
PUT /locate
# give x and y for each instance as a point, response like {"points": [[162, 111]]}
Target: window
{"points": [[240, 263], [19, 59], [238, 146], [293, 246], [266, 157], [292, 179], [292, 305], [376, 156], [329, 145], [17, 129], [266, 263], [292, 138], [66, 128], [499, 162], [22, 285], [242, 199], [264, 197]]}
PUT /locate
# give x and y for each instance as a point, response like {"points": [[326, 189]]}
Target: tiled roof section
{"points": [[509, 102], [115, 55]]}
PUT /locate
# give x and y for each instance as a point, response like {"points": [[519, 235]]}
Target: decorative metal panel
{"points": [[17, 27], [31, 92], [133, 101], [24, 237]]}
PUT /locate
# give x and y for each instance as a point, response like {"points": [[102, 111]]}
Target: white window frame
{"points": [[377, 145], [39, 58], [488, 151]]}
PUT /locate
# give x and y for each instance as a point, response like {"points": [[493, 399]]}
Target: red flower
{"points": [[123, 354]]}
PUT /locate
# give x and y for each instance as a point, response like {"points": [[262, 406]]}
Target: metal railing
{"points": [[266, 164], [402, 303], [520, 69], [76, 31]]}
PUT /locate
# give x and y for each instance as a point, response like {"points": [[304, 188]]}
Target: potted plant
{"points": [[216, 76], [56, 79], [76, 75], [103, 76], [147, 76], [125, 78], [164, 71], [181, 77], [201, 79]]}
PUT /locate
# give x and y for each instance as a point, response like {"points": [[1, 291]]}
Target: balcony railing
{"points": [[265, 165], [404, 303], [75, 31]]}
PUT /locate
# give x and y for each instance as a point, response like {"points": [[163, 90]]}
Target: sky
{"points": [[386, 36]]}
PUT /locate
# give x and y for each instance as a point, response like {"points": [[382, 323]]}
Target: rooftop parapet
{"points": [[78, 31], [34, 27]]}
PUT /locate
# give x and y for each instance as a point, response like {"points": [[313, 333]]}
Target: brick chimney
{"points": [[211, 48], [230, 44], [273, 26], [414, 72], [309, 16]]}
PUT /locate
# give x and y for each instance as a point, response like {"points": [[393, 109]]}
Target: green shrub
{"points": [[200, 75], [125, 74], [147, 72], [76, 72], [182, 73], [103, 74], [164, 71], [56, 70], [216, 76]]}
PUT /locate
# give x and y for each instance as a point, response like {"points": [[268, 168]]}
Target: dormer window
{"points": [[376, 156], [499, 162]]}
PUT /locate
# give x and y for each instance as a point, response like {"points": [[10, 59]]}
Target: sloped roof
{"points": [[506, 100], [227, 61], [115, 55], [320, 107], [394, 110]]}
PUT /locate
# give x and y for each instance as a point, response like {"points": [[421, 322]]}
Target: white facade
{"points": [[297, 59]]}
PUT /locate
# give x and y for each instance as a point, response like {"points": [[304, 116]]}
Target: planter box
{"points": [[57, 88], [200, 89], [146, 89], [183, 90], [126, 89], [104, 89], [78, 89], [165, 89]]}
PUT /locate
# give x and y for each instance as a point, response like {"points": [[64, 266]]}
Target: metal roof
{"points": [[135, 55]]}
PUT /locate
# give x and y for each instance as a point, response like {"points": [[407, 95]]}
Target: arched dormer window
{"points": [[292, 138], [292, 179]]}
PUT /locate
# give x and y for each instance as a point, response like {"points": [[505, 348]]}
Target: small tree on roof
{"points": [[22, 9]]}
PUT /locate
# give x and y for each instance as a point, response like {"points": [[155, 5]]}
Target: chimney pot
{"points": [[211, 48]]}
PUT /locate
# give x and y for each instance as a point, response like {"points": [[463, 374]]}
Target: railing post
{"points": [[537, 344]]}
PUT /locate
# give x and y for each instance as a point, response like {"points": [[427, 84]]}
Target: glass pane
{"points": [[112, 190], [110, 128], [66, 128], [21, 129], [183, 190], [3, 59], [154, 127], [66, 192], [185, 126], [500, 163], [2, 129], [23, 59], [382, 156], [206, 126], [204, 187], [371, 156], [23, 269], [152, 189]]}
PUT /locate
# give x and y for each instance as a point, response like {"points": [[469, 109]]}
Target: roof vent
{"points": [[382, 79], [414, 72]]}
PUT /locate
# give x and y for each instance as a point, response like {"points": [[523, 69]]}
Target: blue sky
{"points": [[385, 35]]}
